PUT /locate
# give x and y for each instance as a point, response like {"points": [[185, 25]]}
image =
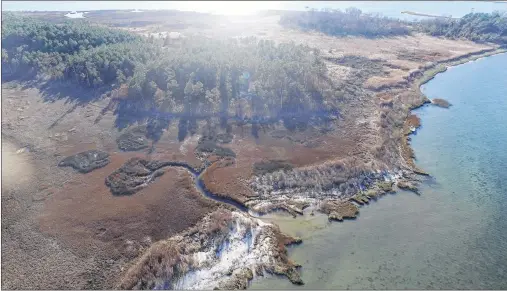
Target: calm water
{"points": [[453, 236]]}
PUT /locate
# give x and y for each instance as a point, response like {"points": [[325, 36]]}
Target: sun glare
{"points": [[230, 7]]}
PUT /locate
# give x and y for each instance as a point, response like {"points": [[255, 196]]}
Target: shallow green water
{"points": [[453, 236]]}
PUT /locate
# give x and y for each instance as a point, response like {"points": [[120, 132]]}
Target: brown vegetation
{"points": [[84, 212], [87, 161], [86, 218], [413, 121], [339, 210], [441, 102], [407, 185], [377, 190], [137, 173], [270, 166]]}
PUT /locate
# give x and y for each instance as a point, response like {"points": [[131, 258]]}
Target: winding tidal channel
{"points": [[201, 187]]}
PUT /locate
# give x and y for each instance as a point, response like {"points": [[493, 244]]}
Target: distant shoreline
{"points": [[427, 15]]}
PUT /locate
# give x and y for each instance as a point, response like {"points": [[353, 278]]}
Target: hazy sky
{"points": [[388, 8], [227, 7]]}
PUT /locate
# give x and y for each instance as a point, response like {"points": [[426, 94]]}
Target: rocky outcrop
{"points": [[224, 251], [87, 161]]}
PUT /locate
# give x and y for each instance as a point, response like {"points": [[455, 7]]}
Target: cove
{"points": [[452, 236]]}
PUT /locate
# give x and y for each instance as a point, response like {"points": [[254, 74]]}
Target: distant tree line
{"points": [[33, 35], [350, 22], [478, 27]]}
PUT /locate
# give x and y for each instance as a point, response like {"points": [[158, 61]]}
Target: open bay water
{"points": [[452, 236]]}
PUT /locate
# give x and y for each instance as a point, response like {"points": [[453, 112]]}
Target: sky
{"points": [[388, 8], [225, 7]]}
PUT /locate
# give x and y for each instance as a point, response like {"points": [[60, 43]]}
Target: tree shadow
{"points": [[129, 112], [52, 91]]}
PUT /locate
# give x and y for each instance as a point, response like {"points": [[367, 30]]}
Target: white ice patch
{"points": [[75, 15], [187, 142], [236, 251]]}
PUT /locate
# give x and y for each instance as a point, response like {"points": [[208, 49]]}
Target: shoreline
{"points": [[427, 15], [357, 200], [427, 75]]}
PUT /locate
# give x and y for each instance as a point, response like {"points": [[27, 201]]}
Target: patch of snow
{"points": [[22, 150], [243, 247], [75, 14], [174, 34], [187, 142]]}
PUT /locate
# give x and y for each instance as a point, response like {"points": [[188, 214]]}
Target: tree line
{"points": [[250, 79], [478, 27], [352, 21]]}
